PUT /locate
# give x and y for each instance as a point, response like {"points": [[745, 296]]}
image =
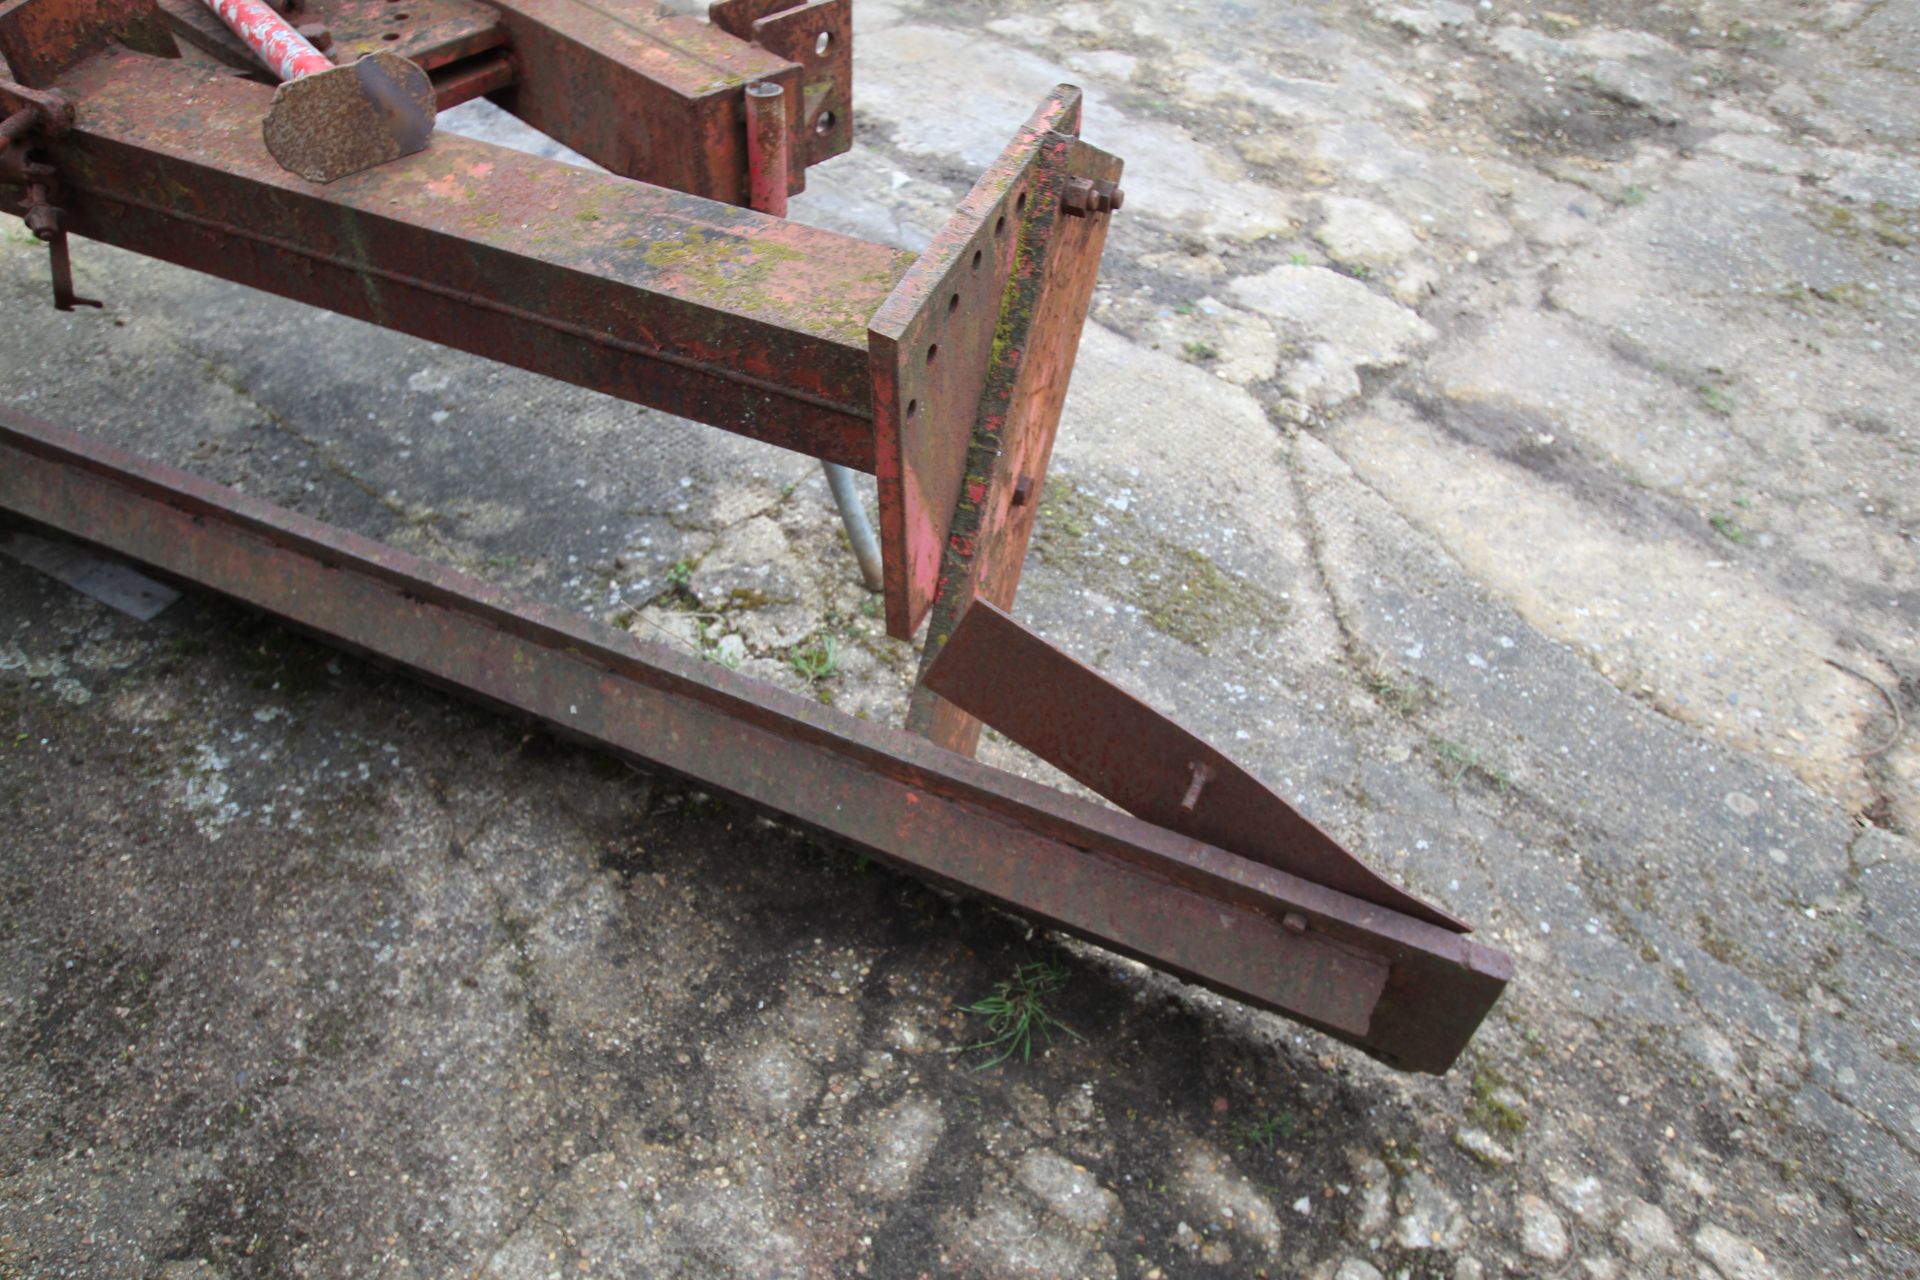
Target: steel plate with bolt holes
{"points": [[1013, 438], [931, 346], [818, 36], [1103, 737]]}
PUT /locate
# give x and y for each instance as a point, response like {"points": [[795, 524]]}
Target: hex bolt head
{"points": [[1293, 922], [1022, 491], [1077, 198], [1082, 196]]}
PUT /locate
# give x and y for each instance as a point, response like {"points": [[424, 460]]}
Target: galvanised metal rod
{"points": [[860, 535], [1407, 992], [767, 175]]}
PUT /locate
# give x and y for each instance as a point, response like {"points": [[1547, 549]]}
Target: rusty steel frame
{"points": [[943, 374], [1405, 991], [664, 295]]}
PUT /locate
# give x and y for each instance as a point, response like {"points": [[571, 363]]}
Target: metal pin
{"points": [[1202, 774]]}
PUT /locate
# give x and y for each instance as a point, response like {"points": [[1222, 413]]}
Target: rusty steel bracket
{"points": [[818, 36], [979, 332], [1019, 412], [1104, 738], [1405, 991], [27, 115]]}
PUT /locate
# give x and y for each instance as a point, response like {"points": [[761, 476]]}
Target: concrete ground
{"points": [[1496, 427]]}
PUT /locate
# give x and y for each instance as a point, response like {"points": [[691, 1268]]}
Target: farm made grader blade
{"points": [[157, 126]]}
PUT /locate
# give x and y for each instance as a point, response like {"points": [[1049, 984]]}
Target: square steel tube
{"points": [[704, 310], [650, 95]]}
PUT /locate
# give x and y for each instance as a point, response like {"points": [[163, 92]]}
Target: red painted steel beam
{"points": [[649, 94], [707, 311], [1400, 989]]}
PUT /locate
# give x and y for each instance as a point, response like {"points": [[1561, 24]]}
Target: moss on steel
{"points": [[737, 274]]}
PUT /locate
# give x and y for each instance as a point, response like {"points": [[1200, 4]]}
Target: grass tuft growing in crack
{"points": [[1463, 760], [815, 662], [1016, 1010]]}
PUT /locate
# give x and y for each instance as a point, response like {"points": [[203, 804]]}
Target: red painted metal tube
{"points": [[285, 50], [767, 147]]}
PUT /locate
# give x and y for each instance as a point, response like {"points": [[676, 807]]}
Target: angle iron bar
{"points": [[1402, 990]]}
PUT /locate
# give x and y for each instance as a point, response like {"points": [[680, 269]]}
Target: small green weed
{"points": [[1300, 260], [817, 661], [1200, 352], [1018, 1008], [1632, 196], [1727, 527], [680, 575], [1489, 1106], [1264, 1134], [1464, 760], [728, 658], [1183, 309], [1715, 398], [1401, 699]]}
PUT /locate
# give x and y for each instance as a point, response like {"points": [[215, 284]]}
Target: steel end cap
{"points": [[354, 117]]}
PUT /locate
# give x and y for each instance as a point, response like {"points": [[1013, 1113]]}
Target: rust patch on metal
{"points": [[42, 40], [428, 33]]}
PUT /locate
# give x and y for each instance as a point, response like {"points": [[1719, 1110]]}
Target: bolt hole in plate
{"points": [[920, 455]]}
